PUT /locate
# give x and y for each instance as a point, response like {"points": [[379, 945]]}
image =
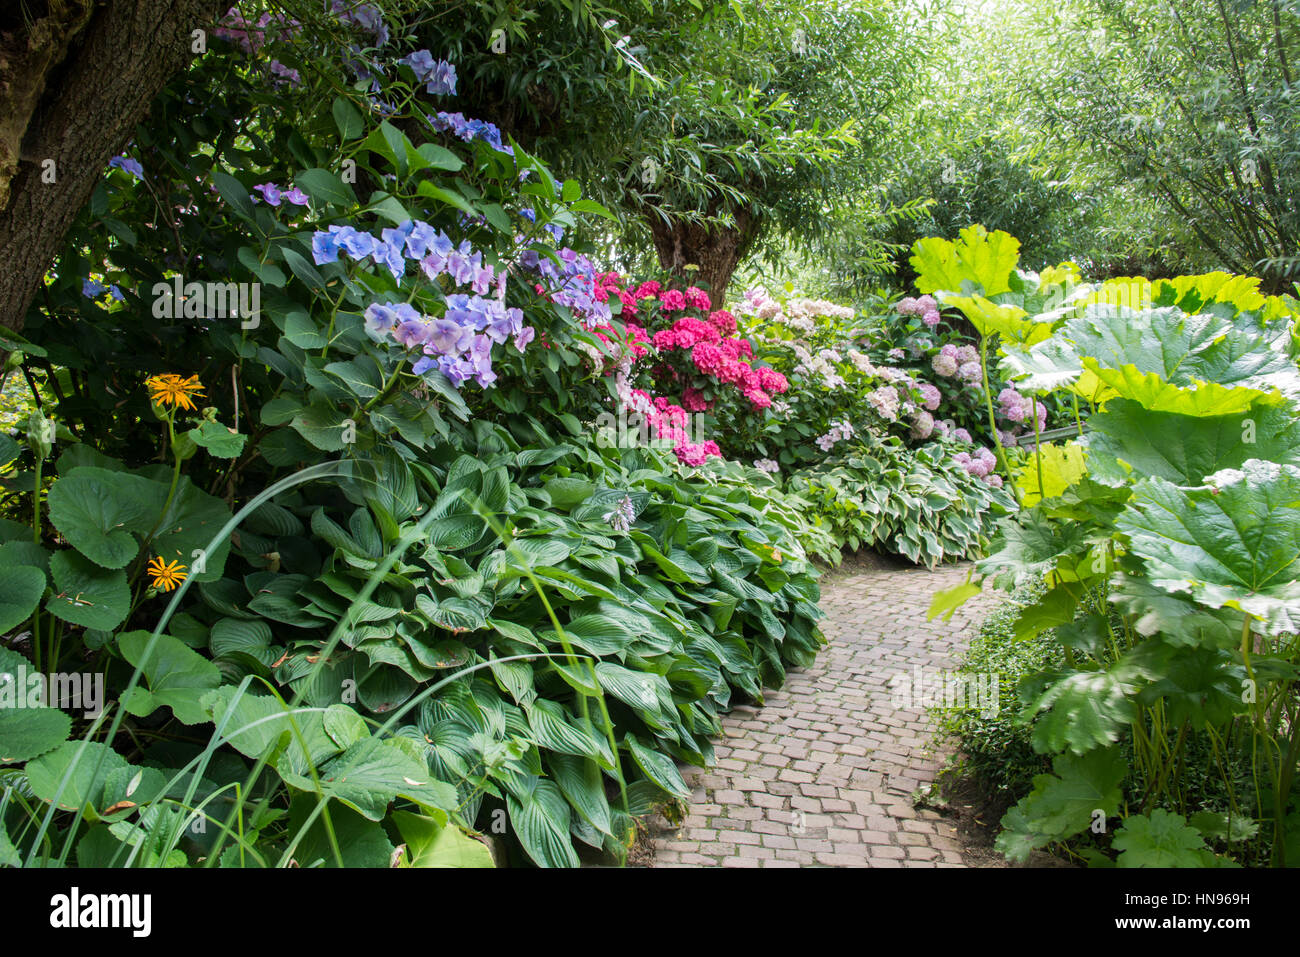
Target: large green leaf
{"points": [[1185, 449], [371, 774], [25, 732], [176, 676], [87, 595], [540, 817], [1161, 840], [97, 511], [77, 760], [1085, 710], [984, 258], [21, 588], [1064, 802], [1234, 543], [433, 842], [1169, 361]]}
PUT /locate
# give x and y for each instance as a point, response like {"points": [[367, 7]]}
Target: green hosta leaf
{"points": [[552, 730], [177, 676], [541, 823], [659, 768], [1062, 803], [21, 588], [1233, 544], [1185, 449], [87, 595], [583, 785], [569, 491], [1160, 840]]}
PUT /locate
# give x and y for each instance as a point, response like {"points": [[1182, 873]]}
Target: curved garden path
{"points": [[825, 772]]}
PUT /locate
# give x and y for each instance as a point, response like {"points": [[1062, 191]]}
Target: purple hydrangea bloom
{"points": [[296, 196], [91, 289], [270, 192], [128, 165]]}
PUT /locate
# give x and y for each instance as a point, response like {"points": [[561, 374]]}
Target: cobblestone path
{"points": [[824, 773]]}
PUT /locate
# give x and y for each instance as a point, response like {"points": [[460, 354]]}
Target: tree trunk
{"points": [[74, 82], [715, 250]]}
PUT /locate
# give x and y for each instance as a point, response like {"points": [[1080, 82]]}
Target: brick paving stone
{"points": [[824, 774]]}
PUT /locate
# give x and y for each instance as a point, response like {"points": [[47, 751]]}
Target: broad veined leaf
{"points": [[1063, 803], [372, 773], [431, 842], [98, 511], [175, 676], [1085, 710], [658, 767], [540, 818], [1162, 839], [21, 588], [26, 732], [87, 595], [984, 258], [1061, 466], [86, 765], [1185, 449], [1234, 543]]}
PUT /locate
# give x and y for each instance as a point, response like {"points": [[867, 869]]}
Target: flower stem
{"points": [[993, 425]]}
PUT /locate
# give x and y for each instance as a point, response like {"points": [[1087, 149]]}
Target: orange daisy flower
{"points": [[176, 391], [166, 575]]}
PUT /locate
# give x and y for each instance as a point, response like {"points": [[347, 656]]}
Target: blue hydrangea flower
{"points": [[126, 164]]}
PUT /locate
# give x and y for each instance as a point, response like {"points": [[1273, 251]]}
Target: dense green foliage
{"points": [[1180, 514]]}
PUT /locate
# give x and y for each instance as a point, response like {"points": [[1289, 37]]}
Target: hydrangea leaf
{"points": [[1234, 543]]}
